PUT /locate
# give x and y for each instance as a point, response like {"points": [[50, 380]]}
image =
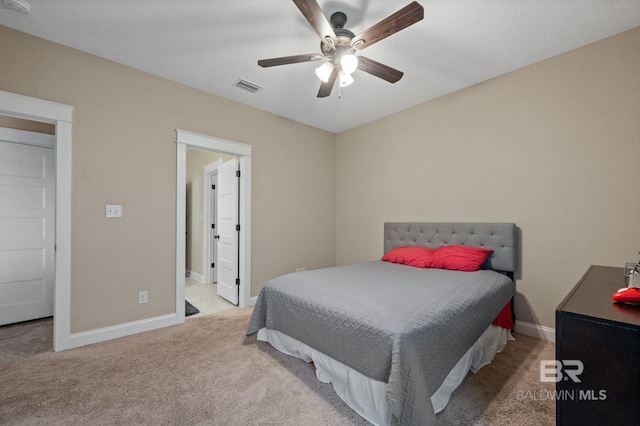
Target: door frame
{"points": [[186, 139], [210, 170], [60, 115]]}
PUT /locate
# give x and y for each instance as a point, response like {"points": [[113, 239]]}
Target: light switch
{"points": [[114, 210]]}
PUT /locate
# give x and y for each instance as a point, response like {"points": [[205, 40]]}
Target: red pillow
{"points": [[410, 255], [460, 258]]}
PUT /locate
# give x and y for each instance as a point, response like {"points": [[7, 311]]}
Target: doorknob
{"points": [[216, 237]]}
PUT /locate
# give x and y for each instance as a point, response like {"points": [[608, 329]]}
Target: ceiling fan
{"points": [[338, 45]]}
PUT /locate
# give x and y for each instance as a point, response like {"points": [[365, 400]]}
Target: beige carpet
{"points": [[207, 372], [25, 339]]}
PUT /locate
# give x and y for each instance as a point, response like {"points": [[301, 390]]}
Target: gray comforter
{"points": [[398, 324]]}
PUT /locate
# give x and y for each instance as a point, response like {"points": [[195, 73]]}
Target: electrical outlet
{"points": [[143, 297]]}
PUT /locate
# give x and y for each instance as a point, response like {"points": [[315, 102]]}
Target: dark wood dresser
{"points": [[605, 337]]}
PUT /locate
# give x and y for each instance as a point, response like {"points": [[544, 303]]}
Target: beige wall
{"points": [[124, 152], [553, 147], [28, 125]]}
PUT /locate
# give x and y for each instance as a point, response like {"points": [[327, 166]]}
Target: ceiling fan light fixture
{"points": [[349, 63], [345, 79], [324, 71], [18, 5]]}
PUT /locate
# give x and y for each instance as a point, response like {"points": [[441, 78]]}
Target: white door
{"points": [[213, 240], [227, 252], [27, 225]]}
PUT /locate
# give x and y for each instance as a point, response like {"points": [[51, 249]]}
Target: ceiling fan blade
{"points": [[400, 20], [311, 10], [289, 60], [379, 70], [326, 88]]}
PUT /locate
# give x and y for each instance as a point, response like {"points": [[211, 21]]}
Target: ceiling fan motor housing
{"points": [[343, 36], [338, 20]]}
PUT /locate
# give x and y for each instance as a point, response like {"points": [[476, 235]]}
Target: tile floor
{"points": [[204, 297]]}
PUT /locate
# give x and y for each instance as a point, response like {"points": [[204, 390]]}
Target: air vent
{"points": [[249, 87]]}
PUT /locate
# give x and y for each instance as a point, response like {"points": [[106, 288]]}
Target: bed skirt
{"points": [[367, 396]]}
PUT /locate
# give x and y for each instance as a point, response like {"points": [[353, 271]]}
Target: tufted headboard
{"points": [[501, 237]]}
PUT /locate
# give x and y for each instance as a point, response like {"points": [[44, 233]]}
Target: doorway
{"points": [[188, 140], [204, 293], [27, 218], [60, 116], [197, 214]]}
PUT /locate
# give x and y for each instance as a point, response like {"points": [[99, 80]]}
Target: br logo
{"points": [[555, 370]]}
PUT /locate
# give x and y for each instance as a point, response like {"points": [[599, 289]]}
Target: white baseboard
{"points": [[108, 333], [253, 301], [539, 331], [196, 276]]}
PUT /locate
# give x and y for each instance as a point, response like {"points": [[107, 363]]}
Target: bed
{"points": [[395, 340]]}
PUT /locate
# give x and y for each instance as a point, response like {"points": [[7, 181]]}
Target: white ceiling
{"points": [[209, 44]]}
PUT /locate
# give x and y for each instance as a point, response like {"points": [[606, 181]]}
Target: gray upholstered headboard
{"points": [[501, 237]]}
